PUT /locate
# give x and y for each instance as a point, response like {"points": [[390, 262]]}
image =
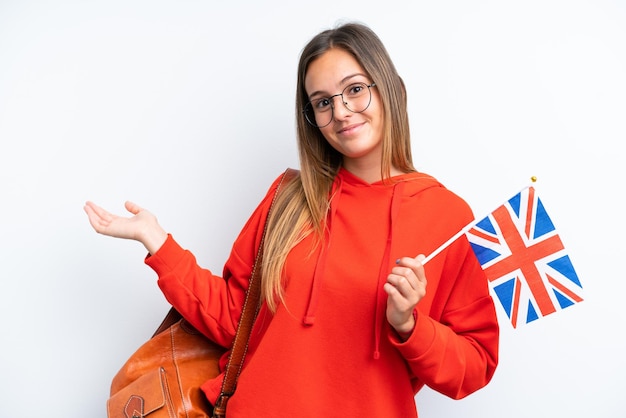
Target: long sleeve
{"points": [[454, 346], [211, 303]]}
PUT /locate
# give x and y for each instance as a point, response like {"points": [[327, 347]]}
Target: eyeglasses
{"points": [[355, 97]]}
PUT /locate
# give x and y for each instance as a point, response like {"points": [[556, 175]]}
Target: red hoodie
{"points": [[329, 351]]}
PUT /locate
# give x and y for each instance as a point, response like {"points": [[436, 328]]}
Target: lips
{"points": [[349, 129]]}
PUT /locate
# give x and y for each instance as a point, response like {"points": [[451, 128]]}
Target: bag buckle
{"points": [[134, 407], [219, 410]]}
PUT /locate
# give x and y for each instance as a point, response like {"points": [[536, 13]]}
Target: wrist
{"points": [[404, 335], [153, 238], [405, 330]]}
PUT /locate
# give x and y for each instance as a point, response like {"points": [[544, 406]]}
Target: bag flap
{"points": [[145, 396]]}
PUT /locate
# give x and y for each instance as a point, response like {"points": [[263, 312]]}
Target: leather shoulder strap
{"points": [[170, 319], [248, 315]]}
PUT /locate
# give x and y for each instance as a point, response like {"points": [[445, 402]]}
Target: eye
{"points": [[322, 104], [355, 89]]}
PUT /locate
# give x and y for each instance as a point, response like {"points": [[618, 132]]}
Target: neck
{"points": [[370, 173]]}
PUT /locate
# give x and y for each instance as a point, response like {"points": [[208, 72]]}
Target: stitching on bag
{"points": [[180, 385], [165, 390]]}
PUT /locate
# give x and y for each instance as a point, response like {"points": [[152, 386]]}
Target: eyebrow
{"points": [[343, 81]]}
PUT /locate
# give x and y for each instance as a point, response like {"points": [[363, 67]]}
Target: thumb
{"points": [[132, 207]]}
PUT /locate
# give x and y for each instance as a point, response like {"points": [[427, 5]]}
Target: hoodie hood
{"points": [[389, 196]]}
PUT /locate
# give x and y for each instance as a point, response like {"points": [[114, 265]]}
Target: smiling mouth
{"points": [[349, 128]]}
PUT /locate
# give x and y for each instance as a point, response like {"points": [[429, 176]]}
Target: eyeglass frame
{"points": [[332, 104]]}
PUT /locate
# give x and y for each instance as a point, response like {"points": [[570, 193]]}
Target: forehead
{"points": [[331, 70]]}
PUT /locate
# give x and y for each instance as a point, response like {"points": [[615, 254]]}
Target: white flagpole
{"points": [[460, 233], [448, 242]]}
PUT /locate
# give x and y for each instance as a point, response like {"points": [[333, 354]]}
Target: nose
{"points": [[340, 110]]}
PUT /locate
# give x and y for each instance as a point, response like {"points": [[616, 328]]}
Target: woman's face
{"points": [[357, 136]]}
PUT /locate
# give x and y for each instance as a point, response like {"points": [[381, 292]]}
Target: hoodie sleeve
{"points": [[209, 302], [453, 349]]}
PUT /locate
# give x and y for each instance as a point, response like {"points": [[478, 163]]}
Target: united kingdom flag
{"points": [[524, 259]]}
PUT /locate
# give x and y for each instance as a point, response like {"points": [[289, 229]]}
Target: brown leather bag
{"points": [[163, 377]]}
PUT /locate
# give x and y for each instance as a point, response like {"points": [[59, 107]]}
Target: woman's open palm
{"points": [[136, 227]]}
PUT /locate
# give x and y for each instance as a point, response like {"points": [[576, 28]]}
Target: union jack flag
{"points": [[528, 269]]}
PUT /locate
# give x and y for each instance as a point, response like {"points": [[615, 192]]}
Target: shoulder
{"points": [[275, 188], [444, 198], [434, 203], [280, 182], [253, 229], [426, 189]]}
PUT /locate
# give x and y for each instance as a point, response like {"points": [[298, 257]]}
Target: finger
{"points": [[393, 292], [408, 267], [420, 273], [403, 276], [90, 207], [98, 211], [97, 223], [403, 290], [415, 264], [91, 215], [410, 262], [94, 213], [132, 207], [400, 302]]}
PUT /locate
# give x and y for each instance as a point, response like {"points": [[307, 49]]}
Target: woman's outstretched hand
{"points": [[405, 287], [142, 226]]}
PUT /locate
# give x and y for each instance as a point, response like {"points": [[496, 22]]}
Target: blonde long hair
{"points": [[301, 207]]}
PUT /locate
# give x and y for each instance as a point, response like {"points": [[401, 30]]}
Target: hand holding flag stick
{"points": [[523, 258]]}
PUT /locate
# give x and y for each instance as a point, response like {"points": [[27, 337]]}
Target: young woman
{"points": [[352, 324]]}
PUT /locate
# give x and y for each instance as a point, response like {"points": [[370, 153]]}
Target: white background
{"points": [[186, 107]]}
